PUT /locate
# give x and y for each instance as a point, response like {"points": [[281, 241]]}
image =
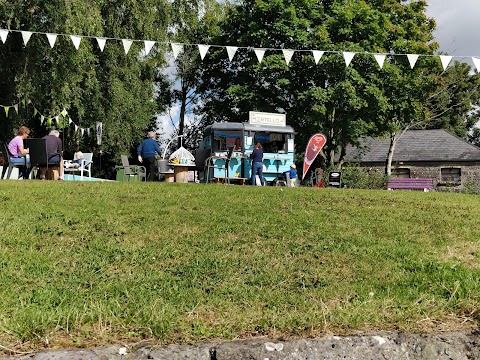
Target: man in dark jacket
{"points": [[54, 153], [146, 154]]}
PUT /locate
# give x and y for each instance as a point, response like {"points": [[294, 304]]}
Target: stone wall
{"points": [[470, 173]]}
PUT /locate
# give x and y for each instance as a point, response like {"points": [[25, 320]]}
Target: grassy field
{"points": [[83, 264]]}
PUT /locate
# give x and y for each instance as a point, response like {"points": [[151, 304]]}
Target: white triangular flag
{"points": [[70, 121], [176, 49], [445, 61], [231, 50], [76, 127], [76, 40], [287, 54], [148, 46], [412, 59], [64, 112], [42, 119], [88, 131], [380, 59], [101, 43], [26, 37], [348, 56], [52, 38], [16, 108], [3, 35], [259, 53], [317, 55], [476, 61], [56, 119], [203, 50], [126, 45]]}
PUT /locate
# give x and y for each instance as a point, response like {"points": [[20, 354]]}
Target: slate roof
{"points": [[417, 146]]}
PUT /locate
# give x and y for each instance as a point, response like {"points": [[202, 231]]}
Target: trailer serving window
{"points": [[272, 142], [225, 140]]}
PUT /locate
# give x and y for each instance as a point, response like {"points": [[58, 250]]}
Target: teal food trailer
{"points": [[226, 147]]}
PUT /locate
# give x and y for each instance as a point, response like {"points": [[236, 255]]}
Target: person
{"points": [[257, 162], [292, 173], [54, 153], [76, 162], [146, 154], [238, 145], [19, 153]]}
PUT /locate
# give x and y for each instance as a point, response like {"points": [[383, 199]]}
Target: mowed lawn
{"points": [[83, 264]]}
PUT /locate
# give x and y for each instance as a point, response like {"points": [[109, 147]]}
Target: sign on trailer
{"points": [[261, 118]]}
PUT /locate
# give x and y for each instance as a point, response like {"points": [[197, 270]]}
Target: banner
{"points": [[315, 144], [99, 133]]}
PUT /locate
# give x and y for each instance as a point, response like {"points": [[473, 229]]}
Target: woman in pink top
{"points": [[18, 152]]}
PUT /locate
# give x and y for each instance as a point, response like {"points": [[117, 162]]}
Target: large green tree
{"points": [[345, 103], [91, 85]]}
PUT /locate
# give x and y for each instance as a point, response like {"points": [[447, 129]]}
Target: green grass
{"points": [[92, 263]]}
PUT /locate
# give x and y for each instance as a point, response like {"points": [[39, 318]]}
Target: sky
{"points": [[458, 26]]}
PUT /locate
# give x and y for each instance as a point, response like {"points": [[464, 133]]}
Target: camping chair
{"points": [[39, 157], [8, 165], [133, 170], [85, 166]]}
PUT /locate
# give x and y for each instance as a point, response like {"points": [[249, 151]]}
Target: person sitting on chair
{"points": [[76, 162], [54, 153], [18, 152], [146, 153]]}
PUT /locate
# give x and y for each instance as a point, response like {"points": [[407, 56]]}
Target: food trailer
{"points": [[226, 147]]}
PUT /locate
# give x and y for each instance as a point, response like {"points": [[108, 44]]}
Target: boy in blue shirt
{"points": [[293, 175]]}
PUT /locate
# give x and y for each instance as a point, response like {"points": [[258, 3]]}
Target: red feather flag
{"points": [[315, 144]]}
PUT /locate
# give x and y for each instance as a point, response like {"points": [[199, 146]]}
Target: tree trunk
{"points": [[391, 149], [331, 139]]}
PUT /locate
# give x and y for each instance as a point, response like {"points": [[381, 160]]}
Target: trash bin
{"points": [[163, 166], [121, 175]]}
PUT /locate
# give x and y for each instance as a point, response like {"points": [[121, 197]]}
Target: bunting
{"points": [[177, 48], [287, 54], [259, 53], [203, 50]]}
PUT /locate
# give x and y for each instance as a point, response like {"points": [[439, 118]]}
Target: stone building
{"points": [[450, 161]]}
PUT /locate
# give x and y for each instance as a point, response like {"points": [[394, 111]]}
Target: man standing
{"points": [[146, 154], [54, 153]]}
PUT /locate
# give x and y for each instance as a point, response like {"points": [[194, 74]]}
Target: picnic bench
{"points": [[424, 184], [228, 180]]}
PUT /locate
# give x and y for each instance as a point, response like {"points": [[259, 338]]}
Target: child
{"points": [[77, 161], [293, 175]]}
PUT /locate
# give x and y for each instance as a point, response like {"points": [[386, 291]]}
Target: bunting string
{"points": [[49, 119], [178, 48]]}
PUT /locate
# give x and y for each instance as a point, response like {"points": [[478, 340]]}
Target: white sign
{"points": [[261, 118]]}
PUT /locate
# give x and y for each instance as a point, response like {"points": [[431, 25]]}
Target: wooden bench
{"points": [[424, 184]]}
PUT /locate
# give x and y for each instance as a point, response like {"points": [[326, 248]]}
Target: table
{"points": [[180, 172]]}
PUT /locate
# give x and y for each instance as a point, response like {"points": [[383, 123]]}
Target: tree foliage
{"points": [[91, 85]]}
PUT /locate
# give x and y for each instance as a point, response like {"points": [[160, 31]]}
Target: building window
{"points": [[401, 173], [451, 175]]}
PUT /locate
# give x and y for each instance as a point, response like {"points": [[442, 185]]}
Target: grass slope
{"points": [[91, 263]]}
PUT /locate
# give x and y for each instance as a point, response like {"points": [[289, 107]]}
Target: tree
{"points": [[345, 103], [91, 85]]}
